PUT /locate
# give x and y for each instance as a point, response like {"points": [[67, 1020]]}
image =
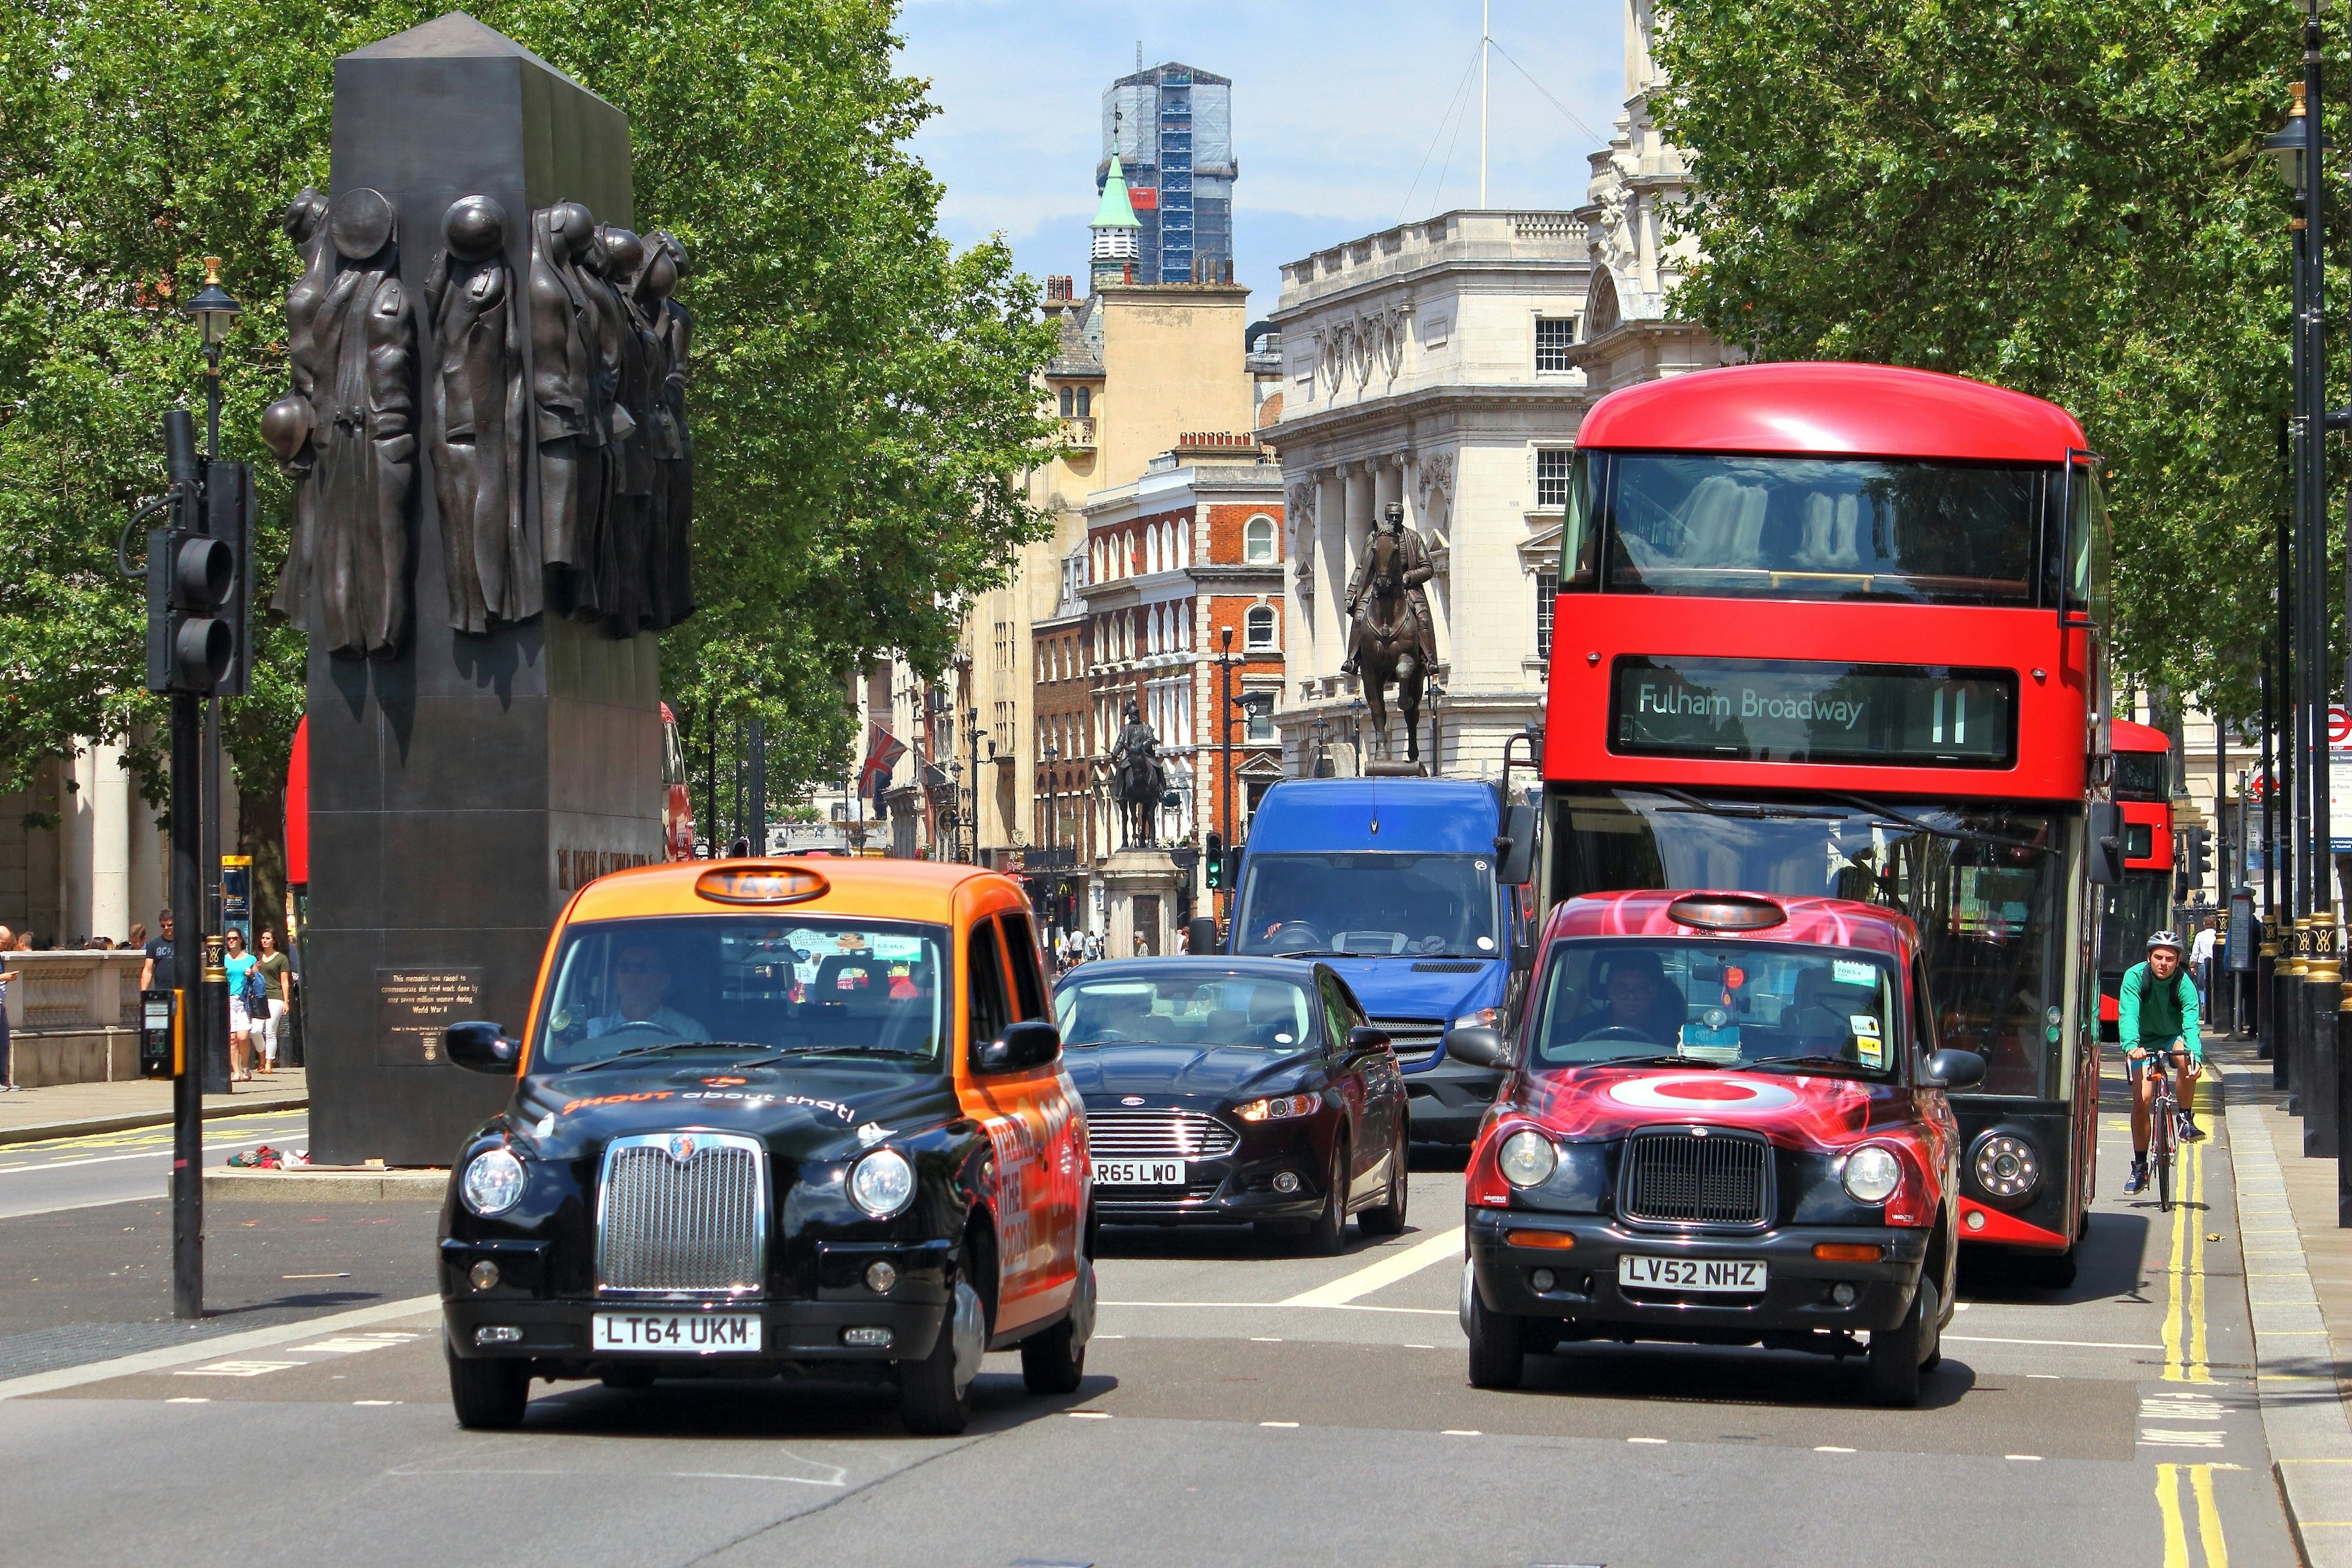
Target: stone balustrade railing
{"points": [[72, 992]]}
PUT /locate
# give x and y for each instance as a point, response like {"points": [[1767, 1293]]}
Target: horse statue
{"points": [[1139, 779], [1392, 635]]}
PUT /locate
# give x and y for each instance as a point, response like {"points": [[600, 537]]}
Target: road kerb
{"points": [[217, 1348], [132, 1121], [2303, 1421]]}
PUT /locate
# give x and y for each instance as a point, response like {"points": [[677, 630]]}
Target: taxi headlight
{"points": [[1527, 1158], [493, 1182], [1871, 1174], [882, 1184], [2007, 1167]]}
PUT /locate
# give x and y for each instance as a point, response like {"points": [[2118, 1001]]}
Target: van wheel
{"points": [[1896, 1354], [1388, 1219], [1498, 1352], [489, 1395], [1329, 1230]]}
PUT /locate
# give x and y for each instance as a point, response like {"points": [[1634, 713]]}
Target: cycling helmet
{"points": [[2166, 939]]}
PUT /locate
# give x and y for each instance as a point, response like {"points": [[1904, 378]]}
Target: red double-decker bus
{"points": [[2141, 904], [1836, 630]]}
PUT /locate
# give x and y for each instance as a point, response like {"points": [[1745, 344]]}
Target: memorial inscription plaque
{"points": [[414, 1006]]}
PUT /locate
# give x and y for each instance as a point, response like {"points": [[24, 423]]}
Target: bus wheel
{"points": [[2052, 1270]]}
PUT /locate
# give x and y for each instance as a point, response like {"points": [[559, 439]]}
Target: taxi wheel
{"points": [[1054, 1362], [1388, 1219], [1895, 1352], [929, 1402], [1329, 1230], [489, 1395], [1498, 1350]]}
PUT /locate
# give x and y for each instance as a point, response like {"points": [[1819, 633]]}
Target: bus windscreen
{"points": [[1985, 885], [1790, 710], [1813, 527]]}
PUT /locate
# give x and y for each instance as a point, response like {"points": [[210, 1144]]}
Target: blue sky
{"points": [[1335, 107]]}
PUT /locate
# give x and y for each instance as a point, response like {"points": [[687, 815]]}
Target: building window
{"points": [[1552, 476], [1257, 541], [1547, 591], [1257, 628], [1085, 402], [1258, 707], [1069, 403], [1555, 335]]}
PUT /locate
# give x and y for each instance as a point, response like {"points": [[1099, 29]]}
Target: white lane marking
{"points": [[1462, 1432], [375, 1402], [1089, 1415], [351, 1344], [1319, 1306], [1382, 1272], [2024, 1458], [1265, 1339], [2070, 1344], [1831, 1448], [110, 1159], [1657, 1440], [1286, 1425], [172, 1356], [2157, 1438], [235, 1369], [190, 1399]]}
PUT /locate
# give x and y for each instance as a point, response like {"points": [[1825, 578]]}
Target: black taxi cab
{"points": [[771, 1117]]}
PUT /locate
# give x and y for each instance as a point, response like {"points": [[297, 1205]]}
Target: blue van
{"points": [[1414, 890]]}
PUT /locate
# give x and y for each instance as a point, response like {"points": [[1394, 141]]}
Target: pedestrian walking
{"points": [[161, 972], [2201, 961], [8, 1071], [240, 965], [278, 991]]}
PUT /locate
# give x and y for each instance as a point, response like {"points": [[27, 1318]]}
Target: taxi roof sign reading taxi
{"points": [[761, 885]]}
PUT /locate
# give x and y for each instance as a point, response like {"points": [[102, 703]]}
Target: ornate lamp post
{"points": [[216, 313]]}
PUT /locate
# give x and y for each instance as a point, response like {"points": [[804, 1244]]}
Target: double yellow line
{"points": [[2176, 1524], [2184, 1272]]}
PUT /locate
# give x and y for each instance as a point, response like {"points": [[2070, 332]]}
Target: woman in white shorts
{"points": [[240, 963]]}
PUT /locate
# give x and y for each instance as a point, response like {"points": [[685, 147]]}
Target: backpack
{"points": [[256, 991]]}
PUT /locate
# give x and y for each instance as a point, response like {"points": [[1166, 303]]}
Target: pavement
{"points": [[71, 1109], [1243, 1406]]}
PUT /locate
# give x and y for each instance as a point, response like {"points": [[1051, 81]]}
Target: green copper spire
{"points": [[1116, 211]]}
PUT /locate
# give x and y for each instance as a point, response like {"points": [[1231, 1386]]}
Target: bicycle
{"points": [[2164, 1127]]}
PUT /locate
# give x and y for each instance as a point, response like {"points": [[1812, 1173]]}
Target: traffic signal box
{"points": [[2197, 861], [1214, 860], [200, 573]]}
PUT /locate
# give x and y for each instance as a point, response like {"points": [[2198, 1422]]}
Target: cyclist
{"points": [[2157, 1008]]}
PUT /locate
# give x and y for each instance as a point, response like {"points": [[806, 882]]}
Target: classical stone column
{"points": [[1330, 569], [111, 807]]}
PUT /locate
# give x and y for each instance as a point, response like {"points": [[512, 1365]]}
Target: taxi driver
{"points": [[640, 979]]}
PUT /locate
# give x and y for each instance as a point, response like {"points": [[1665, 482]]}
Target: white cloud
{"points": [[1335, 108]]}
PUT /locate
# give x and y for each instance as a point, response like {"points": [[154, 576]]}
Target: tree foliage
{"points": [[2064, 196], [862, 401]]}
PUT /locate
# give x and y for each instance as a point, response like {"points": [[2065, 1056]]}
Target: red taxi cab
{"points": [[772, 1117], [1723, 1122]]}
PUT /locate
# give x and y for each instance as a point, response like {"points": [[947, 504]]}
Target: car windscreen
{"points": [[1368, 905], [747, 987], [1780, 1007], [1179, 1010], [1809, 528]]}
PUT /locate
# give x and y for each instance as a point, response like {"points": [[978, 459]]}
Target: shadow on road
{"points": [[2110, 1264], [1705, 1375], [715, 1408]]}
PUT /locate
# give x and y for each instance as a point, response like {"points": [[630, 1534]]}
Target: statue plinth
{"points": [[462, 788], [1141, 889]]}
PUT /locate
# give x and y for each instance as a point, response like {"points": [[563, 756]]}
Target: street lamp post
{"points": [[1052, 753], [971, 727], [1225, 731]]}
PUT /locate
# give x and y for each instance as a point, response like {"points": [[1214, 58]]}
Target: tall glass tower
{"points": [[1171, 128]]}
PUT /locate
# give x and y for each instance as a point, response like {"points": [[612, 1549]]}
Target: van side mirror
{"points": [[1479, 1046], [479, 1047], [1032, 1044], [1955, 1069], [2106, 824], [1515, 846]]}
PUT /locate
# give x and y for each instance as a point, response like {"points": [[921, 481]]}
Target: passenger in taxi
{"points": [[640, 980]]}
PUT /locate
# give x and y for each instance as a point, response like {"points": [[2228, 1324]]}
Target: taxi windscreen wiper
{"points": [[1808, 1060], [788, 1053], [667, 1046]]}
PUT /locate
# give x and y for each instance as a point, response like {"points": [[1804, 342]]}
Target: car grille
{"points": [[1154, 1200], [1414, 1040], [1691, 1177], [1157, 1135], [694, 1226]]}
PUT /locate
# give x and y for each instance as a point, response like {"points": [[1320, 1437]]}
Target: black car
{"points": [[1224, 1090]]}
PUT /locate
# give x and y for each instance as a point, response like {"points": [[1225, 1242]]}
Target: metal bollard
{"points": [[2323, 993], [2344, 1104], [2290, 1015], [2264, 1014]]}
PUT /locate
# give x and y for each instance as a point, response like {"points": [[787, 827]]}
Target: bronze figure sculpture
{"points": [[614, 261], [1392, 635], [288, 424], [668, 442], [1139, 779], [568, 426], [489, 540], [346, 579]]}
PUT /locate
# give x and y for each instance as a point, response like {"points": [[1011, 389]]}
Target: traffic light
{"points": [[1214, 860], [199, 576], [2199, 859]]}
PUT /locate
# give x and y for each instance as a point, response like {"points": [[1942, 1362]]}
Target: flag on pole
{"points": [[883, 751]]}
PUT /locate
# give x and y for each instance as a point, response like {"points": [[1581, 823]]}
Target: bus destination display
{"points": [[1787, 711]]}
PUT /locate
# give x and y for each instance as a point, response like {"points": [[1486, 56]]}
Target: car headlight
{"points": [[493, 1182], [1871, 1174], [882, 1184], [2007, 1167], [1281, 1108], [1527, 1158], [1484, 1019]]}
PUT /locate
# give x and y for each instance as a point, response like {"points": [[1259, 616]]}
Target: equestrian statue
{"points": [[1391, 636], [1139, 779]]}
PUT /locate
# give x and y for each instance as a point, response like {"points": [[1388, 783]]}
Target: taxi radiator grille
{"points": [[696, 1227], [1414, 1040], [1716, 1178], [1157, 1135]]}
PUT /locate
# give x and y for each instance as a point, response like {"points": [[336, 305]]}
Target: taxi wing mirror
{"points": [[1366, 1041], [1479, 1046], [1955, 1069], [1031, 1043], [479, 1047]]}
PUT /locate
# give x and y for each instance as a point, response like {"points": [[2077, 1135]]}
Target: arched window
{"points": [[1069, 403], [1085, 402], [1151, 551], [1257, 627], [1257, 541], [1183, 545]]}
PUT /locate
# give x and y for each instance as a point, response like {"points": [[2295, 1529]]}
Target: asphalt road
{"points": [[114, 1167], [1243, 1407]]}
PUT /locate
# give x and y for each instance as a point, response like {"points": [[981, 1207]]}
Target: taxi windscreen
{"points": [[746, 987], [1723, 1004]]}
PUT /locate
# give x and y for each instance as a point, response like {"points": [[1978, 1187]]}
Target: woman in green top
{"points": [[278, 975]]}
